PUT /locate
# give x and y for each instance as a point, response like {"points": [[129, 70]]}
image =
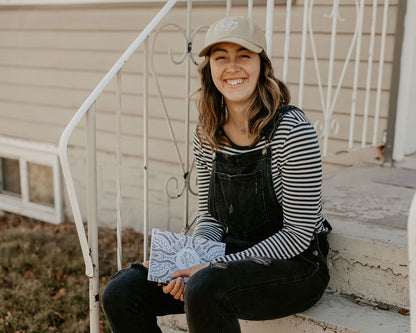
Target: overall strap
{"points": [[279, 118], [269, 133]]}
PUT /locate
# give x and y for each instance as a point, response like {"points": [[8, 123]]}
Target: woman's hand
{"points": [[176, 287], [189, 271]]}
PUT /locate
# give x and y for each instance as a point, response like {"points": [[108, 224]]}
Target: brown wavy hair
{"points": [[270, 95]]}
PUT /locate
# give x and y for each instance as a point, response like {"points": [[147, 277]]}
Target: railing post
{"points": [[92, 220], [269, 26], [328, 107], [145, 147], [118, 172], [287, 39], [228, 8], [250, 8], [411, 232], [369, 75], [187, 116], [380, 71], [303, 52], [360, 19]]}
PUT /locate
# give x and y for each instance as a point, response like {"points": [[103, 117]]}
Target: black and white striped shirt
{"points": [[297, 178]]}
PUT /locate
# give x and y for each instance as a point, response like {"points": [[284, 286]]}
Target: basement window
{"points": [[30, 180], [10, 177]]}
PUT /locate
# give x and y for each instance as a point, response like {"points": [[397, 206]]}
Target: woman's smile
{"points": [[234, 82]]}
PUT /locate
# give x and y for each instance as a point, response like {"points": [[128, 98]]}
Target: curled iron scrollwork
{"points": [[179, 185], [324, 130], [186, 184]]}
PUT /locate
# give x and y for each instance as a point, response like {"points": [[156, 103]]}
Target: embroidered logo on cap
{"points": [[229, 25]]}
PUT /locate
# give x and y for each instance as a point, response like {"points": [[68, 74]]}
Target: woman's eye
{"points": [[245, 56]]}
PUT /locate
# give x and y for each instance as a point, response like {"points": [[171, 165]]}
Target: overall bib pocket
{"points": [[239, 200]]}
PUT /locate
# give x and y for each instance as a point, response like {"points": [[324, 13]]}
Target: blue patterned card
{"points": [[170, 252]]}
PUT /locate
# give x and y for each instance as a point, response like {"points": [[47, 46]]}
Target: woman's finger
{"points": [[183, 272], [176, 287], [167, 288], [179, 294]]}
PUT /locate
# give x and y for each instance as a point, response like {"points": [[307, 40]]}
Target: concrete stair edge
{"points": [[373, 269], [334, 313]]}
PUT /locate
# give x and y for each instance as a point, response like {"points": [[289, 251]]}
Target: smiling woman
{"points": [[259, 186], [237, 56]]}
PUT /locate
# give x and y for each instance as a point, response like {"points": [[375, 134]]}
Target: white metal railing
{"points": [[89, 246], [326, 127], [411, 232], [330, 126]]}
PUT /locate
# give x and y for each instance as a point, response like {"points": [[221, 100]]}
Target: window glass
{"points": [[10, 176], [40, 184]]}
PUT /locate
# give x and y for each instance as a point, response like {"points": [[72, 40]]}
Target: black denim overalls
{"points": [[242, 197]]}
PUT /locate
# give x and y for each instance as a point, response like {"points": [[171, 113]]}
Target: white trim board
{"points": [[404, 134]]}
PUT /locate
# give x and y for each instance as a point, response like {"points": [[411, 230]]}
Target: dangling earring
{"points": [[222, 101], [282, 99]]}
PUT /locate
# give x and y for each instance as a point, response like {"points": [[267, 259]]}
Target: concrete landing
{"points": [[368, 212], [357, 195]]}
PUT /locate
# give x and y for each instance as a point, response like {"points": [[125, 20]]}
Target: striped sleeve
{"points": [[207, 227]]}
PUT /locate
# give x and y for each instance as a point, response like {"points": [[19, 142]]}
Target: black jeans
{"points": [[217, 296]]}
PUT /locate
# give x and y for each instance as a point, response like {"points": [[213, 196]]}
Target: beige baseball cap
{"points": [[241, 30]]}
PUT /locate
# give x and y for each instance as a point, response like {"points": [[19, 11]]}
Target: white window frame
{"points": [[42, 154]]}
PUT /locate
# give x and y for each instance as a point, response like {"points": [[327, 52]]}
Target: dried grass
{"points": [[42, 281]]}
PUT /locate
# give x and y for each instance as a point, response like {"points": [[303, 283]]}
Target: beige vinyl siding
{"points": [[52, 57]]}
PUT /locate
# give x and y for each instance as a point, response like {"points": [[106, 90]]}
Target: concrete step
{"points": [[166, 329], [375, 271], [334, 313], [368, 211]]}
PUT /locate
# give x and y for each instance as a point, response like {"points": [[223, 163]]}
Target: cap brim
{"points": [[249, 46]]}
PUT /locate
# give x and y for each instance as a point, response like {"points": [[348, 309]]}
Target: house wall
{"points": [[51, 58]]}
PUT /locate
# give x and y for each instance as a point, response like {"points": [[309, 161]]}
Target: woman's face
{"points": [[235, 72]]}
